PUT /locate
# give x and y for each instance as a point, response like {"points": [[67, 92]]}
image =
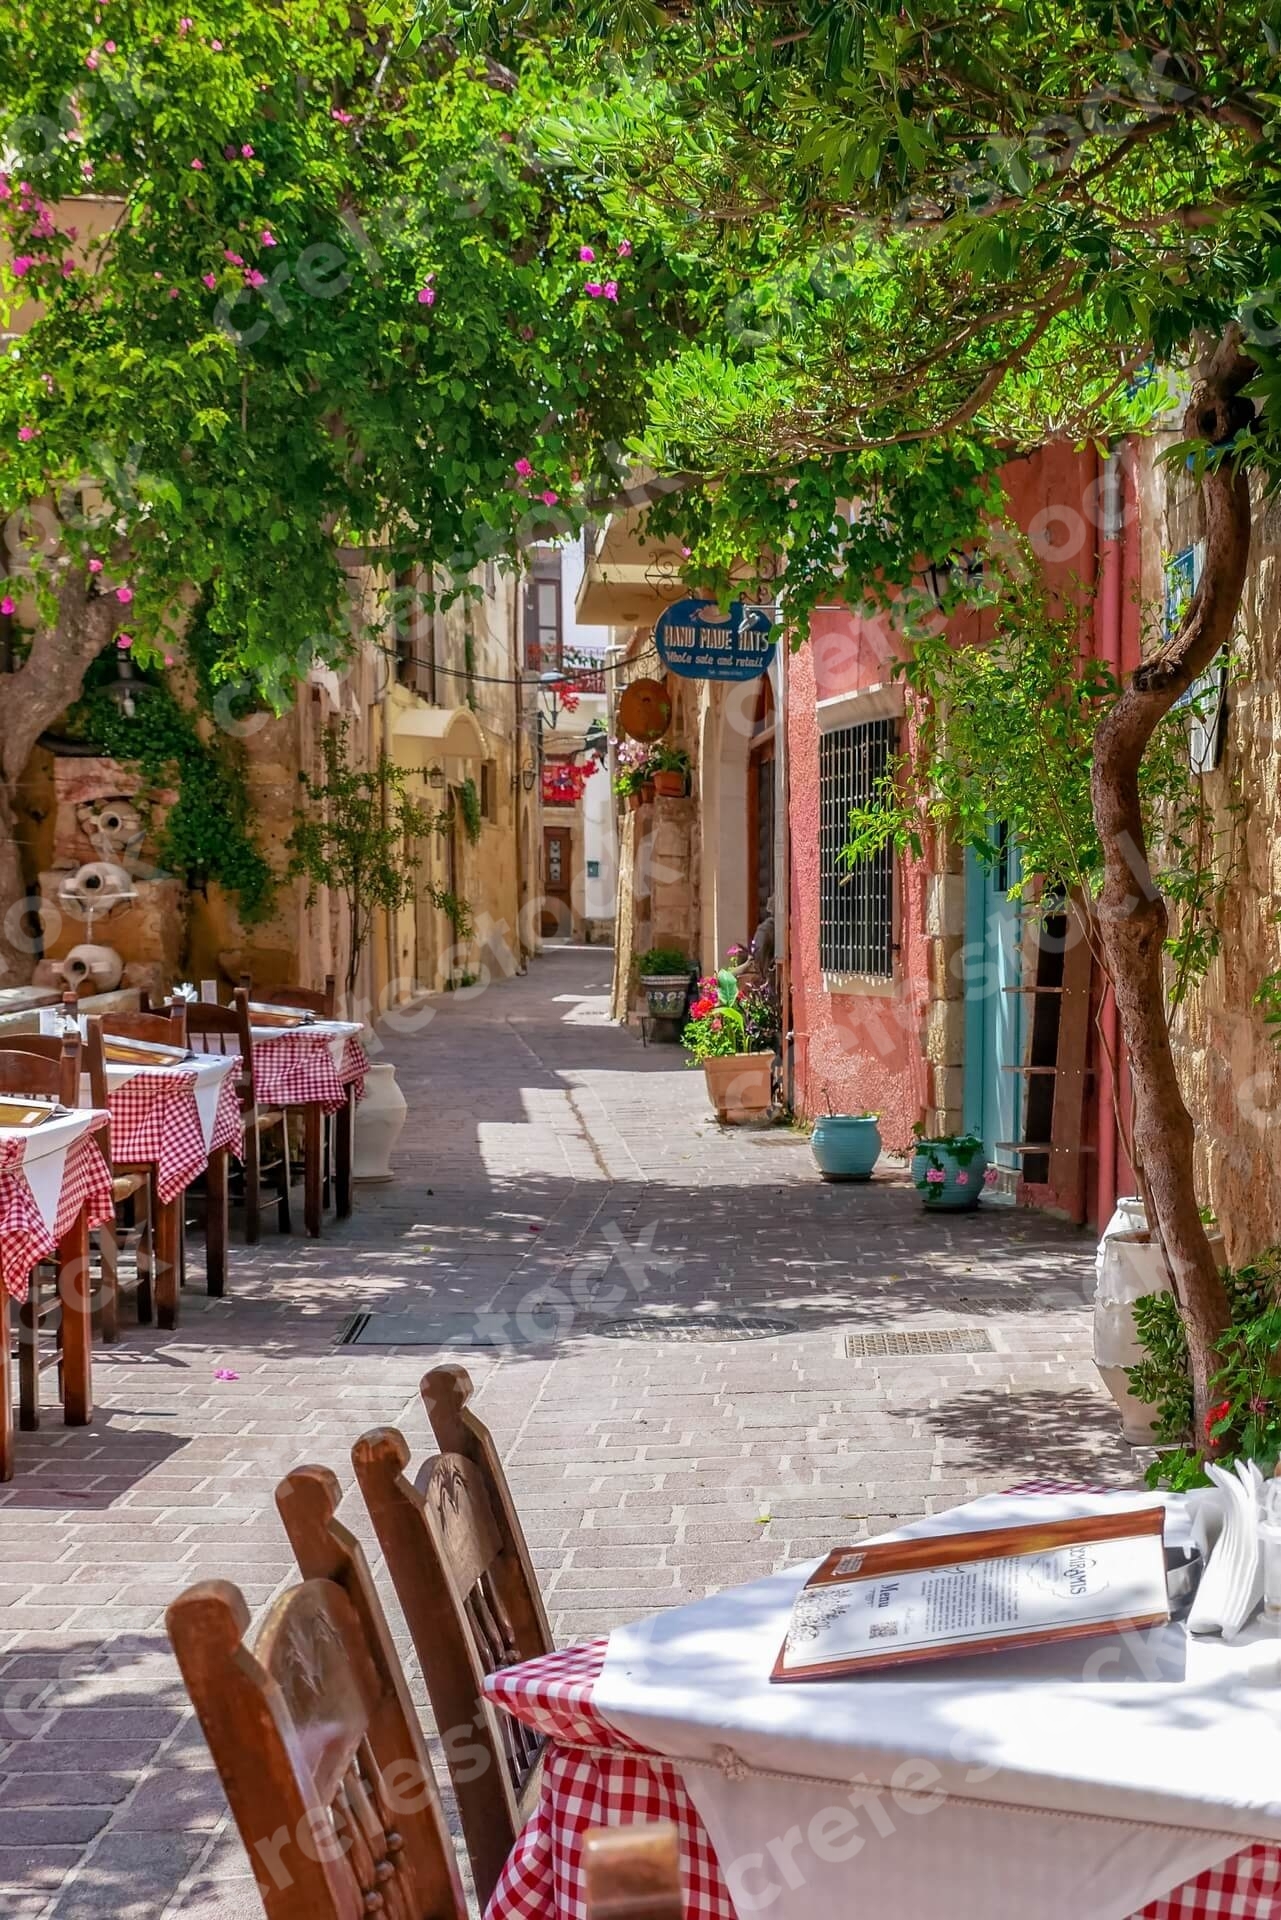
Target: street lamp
{"points": [[596, 739], [549, 684]]}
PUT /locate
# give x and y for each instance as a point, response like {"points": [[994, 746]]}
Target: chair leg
{"points": [[146, 1255], [344, 1122], [284, 1194], [216, 1225], [168, 1243], [109, 1310], [76, 1293], [29, 1356], [327, 1163], [6, 1390], [253, 1182], [312, 1170]]}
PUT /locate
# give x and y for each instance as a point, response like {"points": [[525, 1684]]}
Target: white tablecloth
{"points": [[1079, 1780], [44, 1154]]}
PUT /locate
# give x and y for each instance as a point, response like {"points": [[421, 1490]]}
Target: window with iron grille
{"points": [[856, 903]]}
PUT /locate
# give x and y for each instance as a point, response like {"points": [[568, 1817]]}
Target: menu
{"points": [[923, 1599]]}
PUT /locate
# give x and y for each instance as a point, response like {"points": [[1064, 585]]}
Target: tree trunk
{"points": [[1133, 921], [32, 697]]}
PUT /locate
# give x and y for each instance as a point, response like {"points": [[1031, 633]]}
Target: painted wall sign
{"points": [[697, 640]]}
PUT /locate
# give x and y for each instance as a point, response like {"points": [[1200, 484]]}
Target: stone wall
{"points": [[1229, 1065]]}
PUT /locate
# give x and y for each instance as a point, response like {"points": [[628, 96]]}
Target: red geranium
{"points": [[1214, 1416]]}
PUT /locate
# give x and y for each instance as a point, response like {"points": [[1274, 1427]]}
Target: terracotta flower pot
{"points": [[647, 791], [634, 802], [739, 1086], [670, 785]]}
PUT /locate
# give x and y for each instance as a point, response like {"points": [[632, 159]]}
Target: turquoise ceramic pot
{"points": [[946, 1183], [846, 1145]]}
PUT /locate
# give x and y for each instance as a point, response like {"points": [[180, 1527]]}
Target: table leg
{"points": [[313, 1168], [168, 1239], [75, 1289], [344, 1120], [6, 1390], [216, 1228]]}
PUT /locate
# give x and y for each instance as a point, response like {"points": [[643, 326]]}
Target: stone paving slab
{"points": [[548, 1159]]}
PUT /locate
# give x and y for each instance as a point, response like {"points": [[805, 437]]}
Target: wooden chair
{"points": [[217, 1029], [133, 1190], [329, 1145], [47, 1067], [319, 1749], [462, 1573], [633, 1873]]}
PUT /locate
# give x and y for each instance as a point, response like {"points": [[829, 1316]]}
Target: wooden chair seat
{"points": [[462, 1573]]}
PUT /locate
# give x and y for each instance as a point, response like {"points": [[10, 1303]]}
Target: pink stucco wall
{"points": [[864, 1050]]}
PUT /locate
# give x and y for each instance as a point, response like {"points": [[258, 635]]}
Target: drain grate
{"points": [[870, 1346], [696, 1326]]}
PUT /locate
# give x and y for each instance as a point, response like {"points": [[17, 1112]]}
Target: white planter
{"points": [[1128, 1265], [379, 1119]]}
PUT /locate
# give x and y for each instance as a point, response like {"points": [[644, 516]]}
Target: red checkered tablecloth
{"points": [[154, 1118], [296, 1067], [25, 1239], [593, 1776]]}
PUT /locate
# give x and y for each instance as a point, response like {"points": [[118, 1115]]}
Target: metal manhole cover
{"points": [[697, 1326], [869, 1346]]}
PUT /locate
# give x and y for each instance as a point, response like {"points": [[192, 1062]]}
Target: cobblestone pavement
{"points": [[554, 1178]]}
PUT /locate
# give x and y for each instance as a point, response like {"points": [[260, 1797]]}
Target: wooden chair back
{"points": [[319, 1752], [633, 1873], [161, 1029], [322, 1001], [216, 1029], [46, 1066], [461, 1569]]}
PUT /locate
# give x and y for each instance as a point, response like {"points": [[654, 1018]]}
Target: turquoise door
{"points": [[995, 1012]]}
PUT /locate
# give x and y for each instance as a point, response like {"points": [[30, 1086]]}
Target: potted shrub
{"points": [[951, 1172], [846, 1146], [664, 974], [632, 760], [670, 768], [731, 1033], [1130, 1266]]}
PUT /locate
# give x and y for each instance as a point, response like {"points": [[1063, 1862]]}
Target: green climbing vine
{"points": [[208, 834], [469, 808]]}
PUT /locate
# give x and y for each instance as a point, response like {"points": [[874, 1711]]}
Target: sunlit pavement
{"points": [[555, 1179]]}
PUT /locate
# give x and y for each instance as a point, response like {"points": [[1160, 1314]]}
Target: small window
{"points": [[544, 616], [489, 790], [856, 903]]}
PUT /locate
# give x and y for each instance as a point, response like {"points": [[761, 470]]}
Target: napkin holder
{"points": [[1225, 1528]]}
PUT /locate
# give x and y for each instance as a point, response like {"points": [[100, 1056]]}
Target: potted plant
{"points": [[670, 768], [731, 1033], [1130, 1266], [950, 1172], [664, 974], [632, 760], [846, 1146]]}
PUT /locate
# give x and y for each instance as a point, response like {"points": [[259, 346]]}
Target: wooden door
{"points": [[558, 877]]}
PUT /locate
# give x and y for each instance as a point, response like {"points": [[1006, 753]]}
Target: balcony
{"points": [[628, 580]]}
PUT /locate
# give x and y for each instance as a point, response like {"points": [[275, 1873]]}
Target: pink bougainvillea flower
{"points": [[225, 1373], [26, 433], [210, 280], [611, 289], [6, 605], [91, 61], [68, 268], [47, 382], [246, 153], [426, 296], [343, 119], [168, 659], [253, 278], [587, 254], [124, 641], [549, 498], [267, 237], [86, 169], [215, 46], [124, 595], [524, 467], [173, 293], [184, 25], [593, 289], [234, 258], [109, 46], [624, 248], [6, 191], [95, 566], [197, 166], [22, 264], [685, 552], [229, 153]]}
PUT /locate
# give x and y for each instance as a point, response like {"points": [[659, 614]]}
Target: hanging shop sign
{"points": [[645, 710], [697, 639]]}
